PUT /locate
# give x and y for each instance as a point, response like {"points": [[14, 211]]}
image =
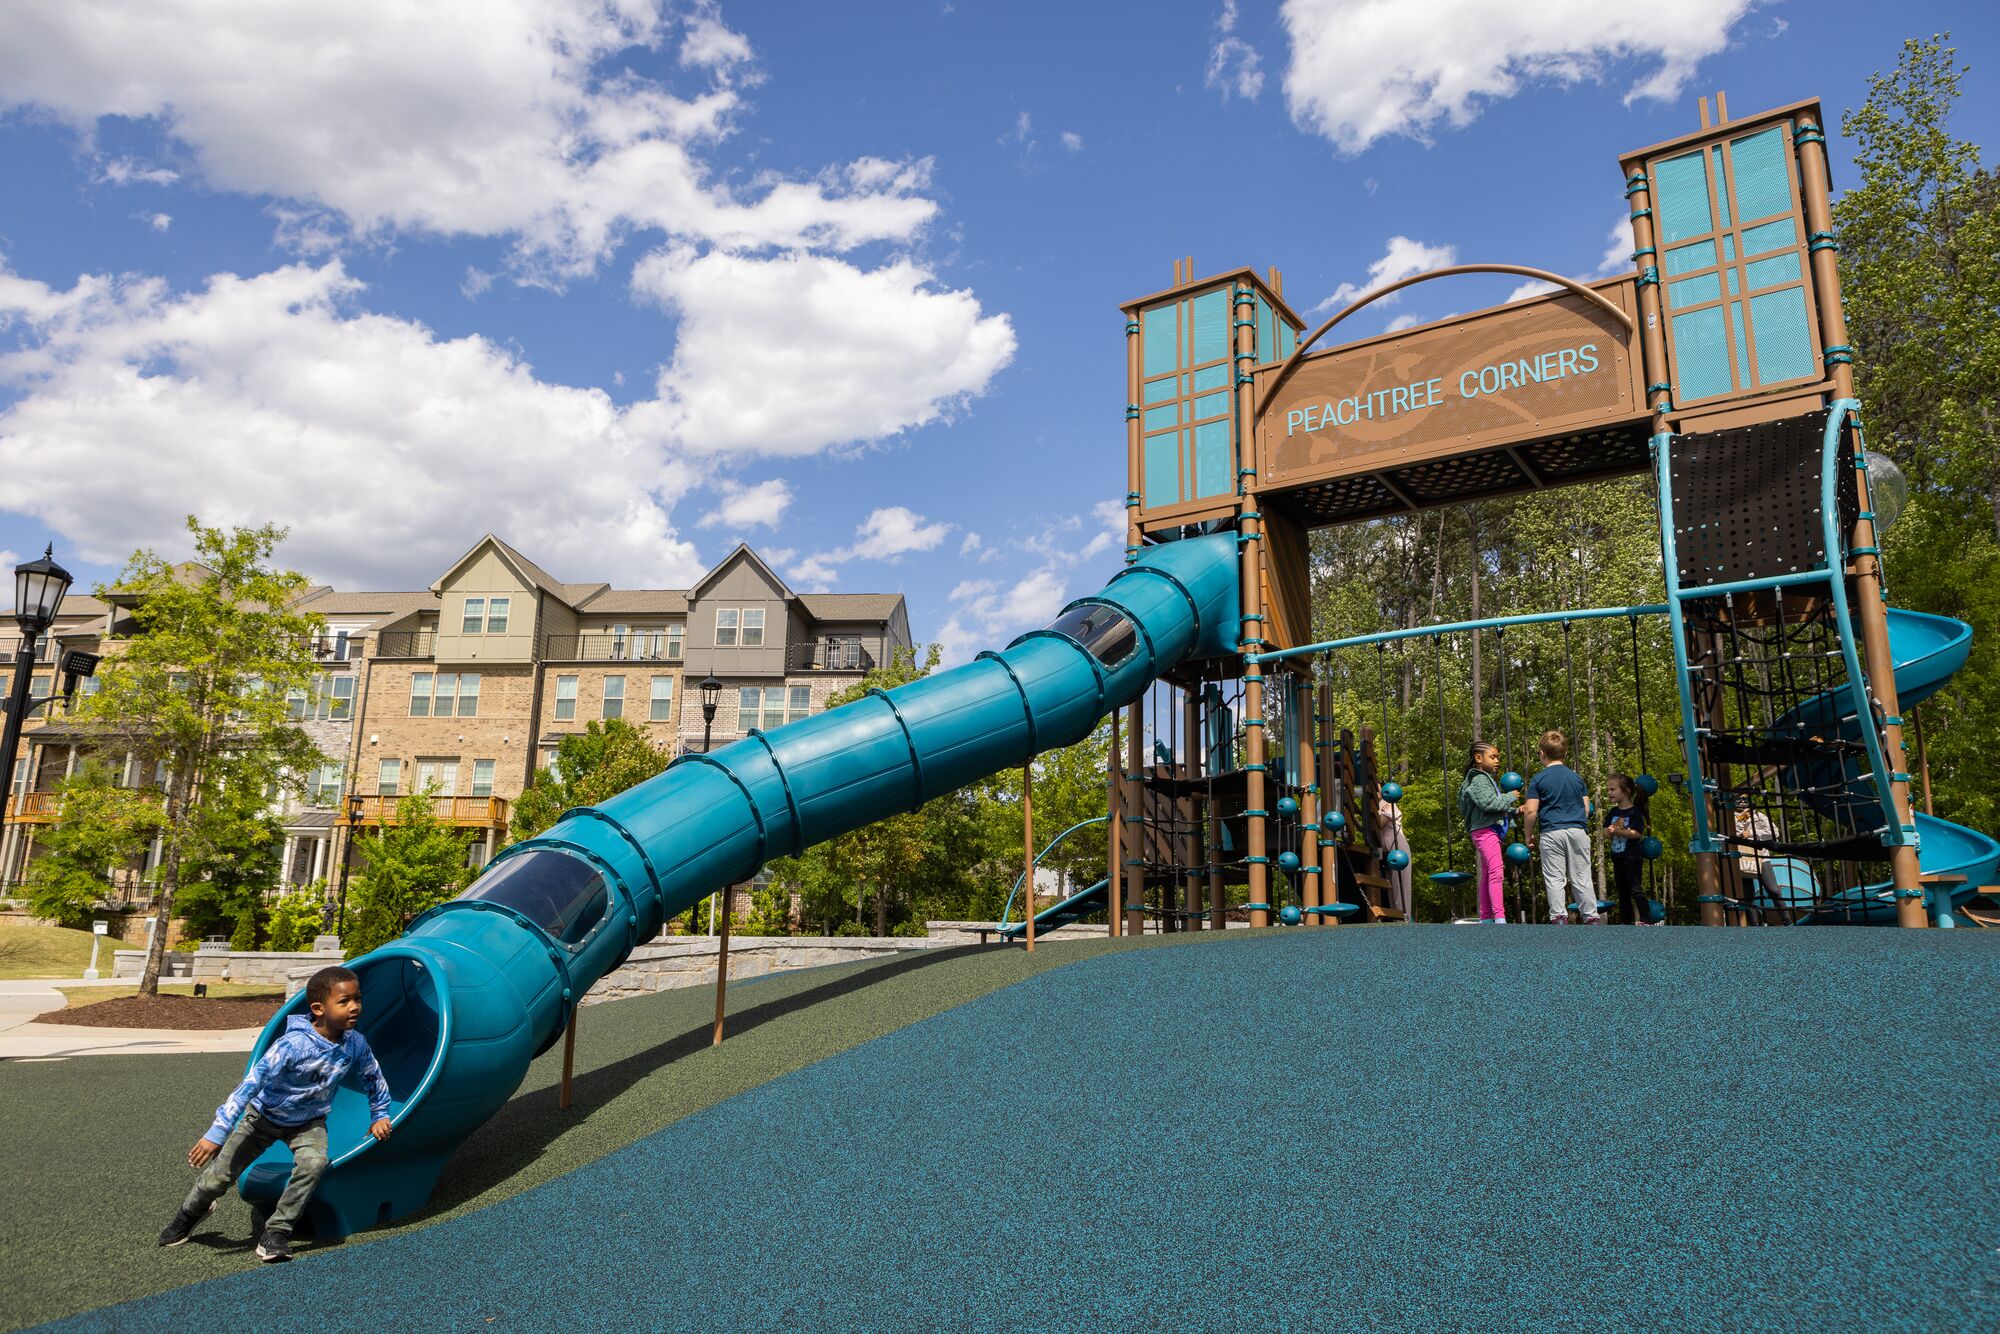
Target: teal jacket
{"points": [[1481, 803]]}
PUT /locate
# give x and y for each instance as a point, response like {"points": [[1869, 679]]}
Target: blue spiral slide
{"points": [[1927, 650], [457, 1007]]}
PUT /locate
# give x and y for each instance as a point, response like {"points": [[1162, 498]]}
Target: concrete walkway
{"points": [[21, 1038]]}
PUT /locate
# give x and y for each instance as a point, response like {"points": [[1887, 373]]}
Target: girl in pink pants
{"points": [[1485, 809]]}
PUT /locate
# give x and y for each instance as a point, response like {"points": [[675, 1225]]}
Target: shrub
{"points": [[298, 916]]}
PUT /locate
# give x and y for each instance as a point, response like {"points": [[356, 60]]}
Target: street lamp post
{"points": [[39, 586], [711, 695], [347, 860]]}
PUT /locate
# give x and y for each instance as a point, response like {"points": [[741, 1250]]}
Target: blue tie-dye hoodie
{"points": [[294, 1080]]}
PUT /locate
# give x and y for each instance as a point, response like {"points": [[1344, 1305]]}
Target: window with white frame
{"points": [[614, 697], [443, 694], [660, 703], [726, 620], [330, 697], [753, 627], [565, 698], [482, 778], [439, 777], [497, 612], [768, 707], [38, 686], [323, 787], [389, 778], [475, 616], [676, 642]]}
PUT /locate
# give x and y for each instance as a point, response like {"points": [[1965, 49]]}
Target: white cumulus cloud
{"points": [[1403, 258], [791, 355], [382, 447], [1364, 70], [759, 506], [514, 118], [1235, 69]]}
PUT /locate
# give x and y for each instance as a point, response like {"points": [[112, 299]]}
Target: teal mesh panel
{"points": [[1163, 468], [1784, 339], [1267, 346], [1694, 291], [1159, 332], [1770, 272], [1769, 237], [1742, 345], [1287, 339], [1721, 186], [1688, 258], [1209, 315], [1728, 248], [1159, 389], [1680, 191], [1169, 415], [1211, 459], [1732, 282], [1209, 405], [1762, 185], [1701, 354], [1215, 377]]}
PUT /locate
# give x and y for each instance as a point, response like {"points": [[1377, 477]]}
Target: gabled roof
{"points": [[850, 606], [532, 574], [743, 550]]}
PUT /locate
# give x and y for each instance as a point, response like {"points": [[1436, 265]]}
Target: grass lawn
{"points": [[78, 997], [50, 951]]}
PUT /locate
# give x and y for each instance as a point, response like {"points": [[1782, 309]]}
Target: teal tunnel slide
{"points": [[1926, 649], [457, 1007]]}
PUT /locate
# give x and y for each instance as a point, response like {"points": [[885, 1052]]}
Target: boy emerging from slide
{"points": [[286, 1096]]}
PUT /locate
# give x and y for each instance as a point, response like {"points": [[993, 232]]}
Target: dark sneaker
{"points": [[274, 1247], [182, 1227]]}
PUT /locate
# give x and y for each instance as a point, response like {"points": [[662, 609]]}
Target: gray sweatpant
{"points": [[1566, 872], [254, 1134]]}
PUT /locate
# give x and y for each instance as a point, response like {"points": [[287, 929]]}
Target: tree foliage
{"points": [[200, 685], [410, 866], [100, 826], [593, 765]]}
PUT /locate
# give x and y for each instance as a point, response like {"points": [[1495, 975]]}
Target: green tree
{"points": [[100, 827], [410, 866], [593, 765], [231, 868], [298, 916], [1920, 271], [201, 686]]}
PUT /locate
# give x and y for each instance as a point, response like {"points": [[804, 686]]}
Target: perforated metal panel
{"points": [[1467, 475], [1747, 501]]}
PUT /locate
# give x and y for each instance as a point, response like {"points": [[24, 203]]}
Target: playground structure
{"points": [[1719, 365]]}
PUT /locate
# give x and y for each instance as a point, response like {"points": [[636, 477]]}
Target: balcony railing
{"points": [[611, 648], [464, 812], [833, 655], [34, 808], [406, 644]]}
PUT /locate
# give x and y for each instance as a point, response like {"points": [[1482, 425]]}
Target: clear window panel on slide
{"points": [[1102, 631], [563, 895]]}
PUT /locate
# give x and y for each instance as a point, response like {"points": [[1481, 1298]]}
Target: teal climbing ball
{"points": [[1650, 847], [1398, 859], [1511, 782], [1519, 853], [1647, 784], [1290, 914], [1392, 792], [1332, 822], [1288, 860], [1288, 805]]}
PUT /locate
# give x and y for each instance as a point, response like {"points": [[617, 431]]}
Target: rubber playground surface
{"points": [[1424, 1127]]}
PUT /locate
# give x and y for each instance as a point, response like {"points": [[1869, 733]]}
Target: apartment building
{"points": [[465, 688]]}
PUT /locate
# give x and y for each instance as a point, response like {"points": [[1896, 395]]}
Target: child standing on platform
{"points": [[1559, 803], [1485, 810], [1627, 824]]}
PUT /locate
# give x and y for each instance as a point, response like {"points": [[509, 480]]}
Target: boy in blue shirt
{"points": [[286, 1096], [1559, 802]]}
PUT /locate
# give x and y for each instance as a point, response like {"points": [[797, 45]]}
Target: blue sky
{"points": [[626, 281]]}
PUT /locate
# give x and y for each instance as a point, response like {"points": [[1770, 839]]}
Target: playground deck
{"points": [[1398, 1127]]}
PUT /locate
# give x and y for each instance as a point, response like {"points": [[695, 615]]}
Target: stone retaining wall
{"points": [[262, 967]]}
